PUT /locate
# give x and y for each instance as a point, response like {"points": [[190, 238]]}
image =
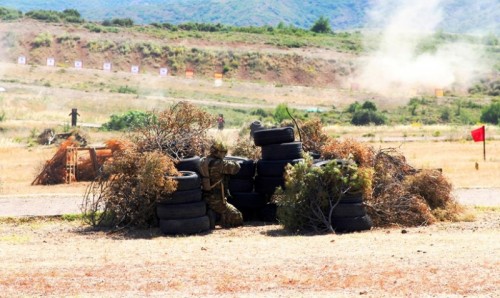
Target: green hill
{"points": [[459, 15]]}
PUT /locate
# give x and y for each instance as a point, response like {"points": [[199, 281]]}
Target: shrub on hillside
{"points": [[68, 15], [125, 22], [366, 117], [491, 113], [8, 14], [322, 25], [42, 40]]}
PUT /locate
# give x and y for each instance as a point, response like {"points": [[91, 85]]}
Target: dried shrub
{"points": [[245, 147], [437, 192], [361, 153], [137, 181], [54, 170], [312, 135], [180, 131], [407, 197], [85, 170], [399, 207], [117, 145]]}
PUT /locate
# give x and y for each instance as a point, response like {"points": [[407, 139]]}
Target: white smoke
{"points": [[397, 68]]}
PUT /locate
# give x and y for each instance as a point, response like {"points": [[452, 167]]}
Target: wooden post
{"points": [[93, 157]]}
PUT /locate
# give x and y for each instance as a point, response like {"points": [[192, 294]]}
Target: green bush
{"points": [[126, 22], [149, 49], [353, 107], [491, 113], [280, 113], [99, 46], [129, 120], [311, 193], [42, 40], [2, 116], [68, 15], [126, 90], [366, 117], [369, 105], [8, 14], [322, 25]]}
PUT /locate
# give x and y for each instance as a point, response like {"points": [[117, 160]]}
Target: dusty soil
{"points": [[58, 258]]}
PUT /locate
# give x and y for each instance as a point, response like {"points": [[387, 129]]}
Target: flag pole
{"points": [[484, 145]]}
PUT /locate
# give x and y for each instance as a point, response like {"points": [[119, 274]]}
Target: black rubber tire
{"points": [[322, 163], [268, 213], [314, 155], [267, 185], [255, 126], [247, 200], [348, 210], [178, 211], [274, 168], [188, 180], [240, 185], [352, 224], [283, 151], [183, 196], [352, 198], [247, 167], [189, 164], [273, 136], [185, 226]]}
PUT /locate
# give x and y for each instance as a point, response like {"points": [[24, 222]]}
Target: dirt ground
{"points": [[59, 258], [51, 257]]}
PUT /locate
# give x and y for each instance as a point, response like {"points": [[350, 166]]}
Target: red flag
{"points": [[478, 134]]}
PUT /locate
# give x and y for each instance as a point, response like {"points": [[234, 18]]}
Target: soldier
{"points": [[214, 171], [221, 122]]}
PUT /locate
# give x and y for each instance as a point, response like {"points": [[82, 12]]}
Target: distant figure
{"points": [[73, 114], [221, 122], [477, 166]]}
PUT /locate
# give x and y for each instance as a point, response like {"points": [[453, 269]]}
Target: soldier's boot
{"points": [[212, 217]]}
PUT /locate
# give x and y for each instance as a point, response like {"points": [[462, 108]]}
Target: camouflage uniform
{"points": [[215, 195]]}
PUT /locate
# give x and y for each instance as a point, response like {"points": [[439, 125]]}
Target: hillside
{"points": [[320, 61], [458, 15]]}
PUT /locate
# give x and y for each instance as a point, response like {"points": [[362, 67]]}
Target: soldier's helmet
{"points": [[218, 149]]}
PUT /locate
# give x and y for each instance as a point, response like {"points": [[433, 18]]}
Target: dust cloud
{"points": [[399, 67]]}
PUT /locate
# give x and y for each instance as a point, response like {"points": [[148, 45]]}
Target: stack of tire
{"points": [[184, 212], [241, 189], [278, 149], [350, 214]]}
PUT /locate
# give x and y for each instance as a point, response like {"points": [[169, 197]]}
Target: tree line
{"points": [[322, 25]]}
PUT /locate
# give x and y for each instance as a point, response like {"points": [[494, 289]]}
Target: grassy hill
{"points": [[459, 15]]}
